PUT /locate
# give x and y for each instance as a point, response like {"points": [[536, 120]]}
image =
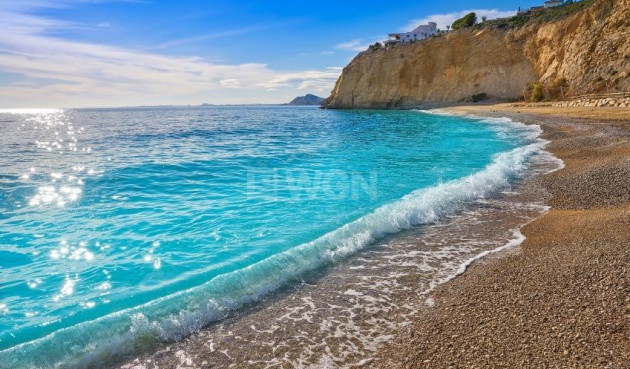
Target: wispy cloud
{"points": [[443, 20], [354, 45], [222, 34], [311, 80], [230, 83], [206, 37], [88, 74]]}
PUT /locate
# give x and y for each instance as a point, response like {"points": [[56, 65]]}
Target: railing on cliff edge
{"points": [[598, 96]]}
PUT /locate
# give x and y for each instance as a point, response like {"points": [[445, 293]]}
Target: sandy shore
{"points": [[563, 300], [560, 300]]}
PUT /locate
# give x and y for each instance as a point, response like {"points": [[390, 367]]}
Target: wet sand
{"points": [[564, 299]]}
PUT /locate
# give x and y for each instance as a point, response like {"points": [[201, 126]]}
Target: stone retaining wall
{"points": [[622, 102]]}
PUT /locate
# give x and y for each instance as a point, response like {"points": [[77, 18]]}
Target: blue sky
{"points": [[75, 53]]}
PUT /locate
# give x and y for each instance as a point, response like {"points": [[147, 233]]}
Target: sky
{"points": [[106, 53]]}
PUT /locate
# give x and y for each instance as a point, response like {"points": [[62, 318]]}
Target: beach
{"points": [[233, 264], [563, 299], [518, 259], [557, 299], [448, 187]]}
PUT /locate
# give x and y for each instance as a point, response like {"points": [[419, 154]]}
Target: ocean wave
{"points": [[173, 317], [508, 128]]}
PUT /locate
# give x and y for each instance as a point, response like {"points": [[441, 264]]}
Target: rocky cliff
{"points": [[587, 47]]}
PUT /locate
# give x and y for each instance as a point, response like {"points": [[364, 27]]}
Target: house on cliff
{"points": [[546, 5], [553, 3], [419, 33]]}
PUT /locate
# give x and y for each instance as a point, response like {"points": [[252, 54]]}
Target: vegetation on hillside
{"points": [[466, 21], [540, 16], [538, 91], [533, 17], [375, 46]]}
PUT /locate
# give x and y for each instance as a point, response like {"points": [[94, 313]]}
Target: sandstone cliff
{"points": [[589, 48]]}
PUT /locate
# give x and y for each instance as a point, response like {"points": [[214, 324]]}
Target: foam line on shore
{"points": [[518, 239]]}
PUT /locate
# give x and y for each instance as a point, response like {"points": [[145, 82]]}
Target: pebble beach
{"points": [[563, 298]]}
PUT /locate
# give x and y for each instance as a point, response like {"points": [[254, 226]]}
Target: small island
{"points": [[308, 99]]}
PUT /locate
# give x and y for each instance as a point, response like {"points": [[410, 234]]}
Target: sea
{"points": [[124, 231]]}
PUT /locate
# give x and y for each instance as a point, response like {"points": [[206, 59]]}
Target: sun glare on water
{"points": [[30, 111]]}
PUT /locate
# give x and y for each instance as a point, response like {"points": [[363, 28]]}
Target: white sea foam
{"points": [[516, 241], [175, 316]]}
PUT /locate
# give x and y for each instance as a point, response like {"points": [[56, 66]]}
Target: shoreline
{"points": [[558, 299], [345, 314], [563, 299]]}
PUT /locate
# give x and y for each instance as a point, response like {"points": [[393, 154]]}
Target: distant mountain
{"points": [[307, 99]]}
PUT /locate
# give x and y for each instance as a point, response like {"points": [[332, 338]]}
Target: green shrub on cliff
{"points": [[537, 92], [558, 89], [466, 21], [375, 46]]}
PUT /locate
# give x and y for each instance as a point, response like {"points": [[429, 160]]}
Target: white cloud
{"points": [[354, 45], [88, 74], [443, 20], [231, 83], [312, 80]]}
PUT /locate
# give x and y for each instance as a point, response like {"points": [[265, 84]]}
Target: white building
{"points": [[546, 5], [553, 3], [420, 33]]}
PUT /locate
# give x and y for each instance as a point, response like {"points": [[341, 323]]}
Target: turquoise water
{"points": [[119, 227]]}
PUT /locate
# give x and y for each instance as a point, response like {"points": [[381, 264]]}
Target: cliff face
{"points": [[590, 49]]}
